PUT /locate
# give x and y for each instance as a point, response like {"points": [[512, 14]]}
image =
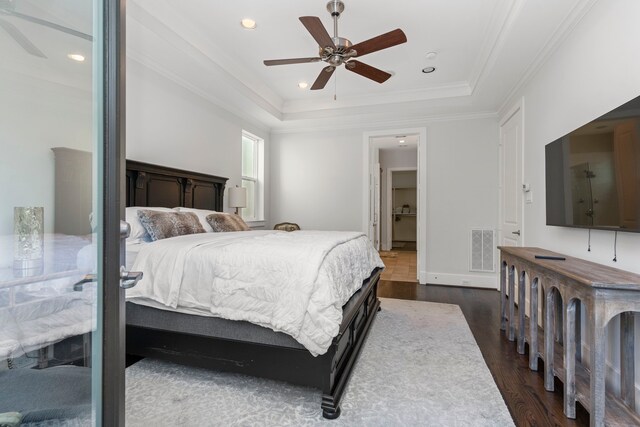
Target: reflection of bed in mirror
{"points": [[45, 308], [234, 345]]}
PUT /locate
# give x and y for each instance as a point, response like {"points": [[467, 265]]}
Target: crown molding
{"points": [[375, 125], [452, 90], [502, 24], [152, 65], [562, 32], [166, 22]]}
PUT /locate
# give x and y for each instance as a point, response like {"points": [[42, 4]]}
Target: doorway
{"points": [[396, 201], [511, 180]]}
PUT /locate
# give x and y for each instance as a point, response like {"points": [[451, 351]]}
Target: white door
{"points": [[376, 205], [511, 180]]}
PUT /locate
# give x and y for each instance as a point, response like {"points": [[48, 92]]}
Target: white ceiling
{"points": [[279, 34], [486, 49], [55, 45]]}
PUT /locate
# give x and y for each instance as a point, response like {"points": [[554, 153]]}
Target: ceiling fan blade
{"points": [[21, 39], [383, 41], [50, 25], [270, 62], [318, 31], [368, 71], [323, 78]]}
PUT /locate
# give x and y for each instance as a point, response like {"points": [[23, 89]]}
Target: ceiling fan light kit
{"points": [[336, 50]]}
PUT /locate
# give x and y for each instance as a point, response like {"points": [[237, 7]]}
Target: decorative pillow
{"points": [[138, 232], [202, 216], [221, 222], [161, 225]]}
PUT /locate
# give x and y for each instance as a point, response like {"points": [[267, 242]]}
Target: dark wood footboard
{"points": [[329, 372], [347, 346]]}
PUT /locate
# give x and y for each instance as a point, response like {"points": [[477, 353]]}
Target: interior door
{"points": [[61, 304], [376, 205], [511, 180]]}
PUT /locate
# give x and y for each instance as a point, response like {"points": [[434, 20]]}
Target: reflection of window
{"points": [[253, 176]]}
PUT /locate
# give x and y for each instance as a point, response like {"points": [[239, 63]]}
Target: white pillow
{"points": [[138, 232], [202, 216]]}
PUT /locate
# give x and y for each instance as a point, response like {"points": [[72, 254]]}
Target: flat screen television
{"points": [[593, 173]]}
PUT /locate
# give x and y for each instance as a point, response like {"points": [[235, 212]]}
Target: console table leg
{"points": [[521, 311], [559, 319], [597, 361], [503, 297], [548, 340], [512, 304], [570, 359], [533, 326], [627, 359], [578, 308]]}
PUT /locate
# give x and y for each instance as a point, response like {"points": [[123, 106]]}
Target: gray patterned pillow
{"points": [[227, 222], [161, 225]]}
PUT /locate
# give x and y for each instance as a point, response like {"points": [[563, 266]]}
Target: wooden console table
{"points": [[605, 292]]}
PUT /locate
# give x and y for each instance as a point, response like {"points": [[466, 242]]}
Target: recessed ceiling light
{"points": [[402, 141], [431, 55], [248, 24], [428, 70], [76, 57], [303, 85]]}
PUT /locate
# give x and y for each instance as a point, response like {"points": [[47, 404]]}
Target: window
{"points": [[253, 176]]}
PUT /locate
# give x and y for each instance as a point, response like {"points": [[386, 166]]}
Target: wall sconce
{"points": [[237, 197], [28, 243]]}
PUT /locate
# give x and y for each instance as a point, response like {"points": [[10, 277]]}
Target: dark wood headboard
{"points": [[161, 186]]}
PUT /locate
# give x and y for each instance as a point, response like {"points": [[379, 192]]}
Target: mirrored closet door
{"points": [[55, 218]]}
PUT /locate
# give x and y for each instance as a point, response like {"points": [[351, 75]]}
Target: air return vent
{"points": [[482, 250]]}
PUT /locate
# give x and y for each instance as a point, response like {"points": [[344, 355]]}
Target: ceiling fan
{"points": [[8, 8], [337, 51]]}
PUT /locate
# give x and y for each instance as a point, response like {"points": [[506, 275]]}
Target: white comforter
{"points": [[293, 282]]}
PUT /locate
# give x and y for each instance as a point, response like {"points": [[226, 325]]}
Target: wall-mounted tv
{"points": [[593, 173]]}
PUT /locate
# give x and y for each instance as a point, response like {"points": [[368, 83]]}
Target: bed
{"points": [[237, 345]]}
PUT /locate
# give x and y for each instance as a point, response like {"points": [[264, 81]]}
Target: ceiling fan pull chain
{"points": [[335, 87]]}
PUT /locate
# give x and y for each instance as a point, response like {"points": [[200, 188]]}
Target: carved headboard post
{"points": [[161, 186]]}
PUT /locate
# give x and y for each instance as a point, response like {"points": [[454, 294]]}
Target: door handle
{"points": [[128, 279], [516, 232], [79, 286], [125, 230]]}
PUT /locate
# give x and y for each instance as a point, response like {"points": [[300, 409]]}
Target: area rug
{"points": [[420, 367]]}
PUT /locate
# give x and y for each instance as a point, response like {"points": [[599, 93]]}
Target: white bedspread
{"points": [[293, 282]]}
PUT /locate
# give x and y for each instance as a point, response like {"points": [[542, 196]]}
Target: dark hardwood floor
{"points": [[522, 389]]}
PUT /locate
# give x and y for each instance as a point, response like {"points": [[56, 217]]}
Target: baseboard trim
{"points": [[467, 280]]}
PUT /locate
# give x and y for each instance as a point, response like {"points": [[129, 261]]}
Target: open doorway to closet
{"points": [[394, 203]]}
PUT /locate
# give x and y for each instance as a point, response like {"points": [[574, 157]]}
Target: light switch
{"points": [[528, 197]]}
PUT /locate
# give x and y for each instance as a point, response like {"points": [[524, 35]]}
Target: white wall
{"points": [[62, 116], [593, 71], [571, 89], [172, 126], [317, 182]]}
